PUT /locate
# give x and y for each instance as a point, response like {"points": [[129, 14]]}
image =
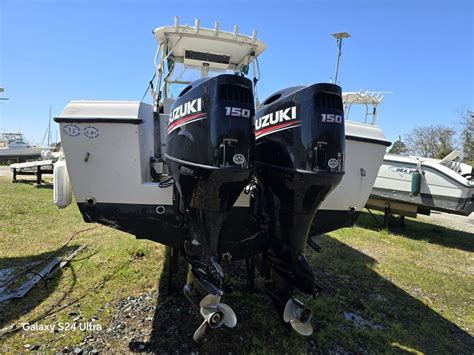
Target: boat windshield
{"points": [[180, 75], [186, 54]]}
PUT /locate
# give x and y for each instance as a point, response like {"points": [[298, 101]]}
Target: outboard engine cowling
{"points": [[300, 144], [210, 155]]}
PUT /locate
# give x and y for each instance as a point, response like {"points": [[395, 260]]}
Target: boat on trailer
{"points": [[13, 145], [202, 159], [408, 185]]}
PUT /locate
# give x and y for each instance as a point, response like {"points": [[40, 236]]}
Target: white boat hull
{"points": [[442, 189], [365, 149], [12, 153]]}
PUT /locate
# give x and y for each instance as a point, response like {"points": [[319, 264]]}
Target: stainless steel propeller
{"points": [[215, 315], [299, 316]]}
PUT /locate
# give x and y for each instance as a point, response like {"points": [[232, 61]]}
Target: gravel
{"points": [[133, 329]]}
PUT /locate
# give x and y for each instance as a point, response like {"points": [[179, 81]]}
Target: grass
{"points": [[31, 227], [414, 287]]}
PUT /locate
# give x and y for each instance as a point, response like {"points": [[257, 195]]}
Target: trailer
{"points": [[37, 168]]}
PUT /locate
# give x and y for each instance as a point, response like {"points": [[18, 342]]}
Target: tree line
{"points": [[437, 141]]}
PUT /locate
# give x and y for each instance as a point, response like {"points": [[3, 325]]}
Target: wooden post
{"points": [[386, 217], [173, 266], [38, 175]]}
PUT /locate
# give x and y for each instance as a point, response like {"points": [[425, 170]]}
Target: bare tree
{"points": [[433, 141], [466, 135]]}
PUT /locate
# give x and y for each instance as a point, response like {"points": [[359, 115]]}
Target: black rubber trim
{"points": [[369, 140], [97, 120], [323, 173], [325, 221]]}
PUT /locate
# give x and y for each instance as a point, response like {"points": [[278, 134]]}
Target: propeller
{"points": [[299, 316], [215, 315]]}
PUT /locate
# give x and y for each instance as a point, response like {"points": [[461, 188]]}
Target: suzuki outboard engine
{"points": [[299, 159], [210, 155]]}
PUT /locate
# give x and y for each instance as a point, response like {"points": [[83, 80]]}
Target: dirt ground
{"points": [[5, 171], [462, 223]]}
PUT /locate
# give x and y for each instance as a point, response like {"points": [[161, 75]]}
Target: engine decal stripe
{"points": [[186, 120], [277, 128]]}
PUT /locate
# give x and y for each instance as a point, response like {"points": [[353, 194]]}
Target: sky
{"points": [[422, 51]]}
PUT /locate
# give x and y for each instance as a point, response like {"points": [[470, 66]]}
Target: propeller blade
{"points": [[200, 331], [302, 328], [299, 316], [210, 300], [215, 314], [291, 310], [230, 319]]}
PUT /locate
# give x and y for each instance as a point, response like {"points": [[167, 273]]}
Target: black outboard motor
{"points": [[210, 155], [299, 159]]}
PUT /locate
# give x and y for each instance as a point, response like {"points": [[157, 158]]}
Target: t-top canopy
{"points": [[198, 46], [360, 97]]}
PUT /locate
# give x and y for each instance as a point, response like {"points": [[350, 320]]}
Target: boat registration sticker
{"points": [[72, 130], [91, 132]]}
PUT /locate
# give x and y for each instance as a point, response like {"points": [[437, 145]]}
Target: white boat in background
{"points": [[407, 185], [14, 146], [365, 149]]}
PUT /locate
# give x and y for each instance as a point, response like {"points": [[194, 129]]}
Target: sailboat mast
{"points": [[49, 127]]}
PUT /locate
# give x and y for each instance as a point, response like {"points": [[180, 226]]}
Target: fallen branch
{"points": [[27, 270], [28, 285], [45, 274]]}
